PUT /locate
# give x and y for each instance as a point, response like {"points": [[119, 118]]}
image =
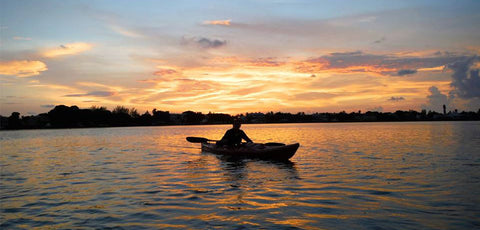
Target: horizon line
{"points": [[243, 113]]}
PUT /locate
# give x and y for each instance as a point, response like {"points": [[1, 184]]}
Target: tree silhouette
{"points": [[62, 116]]}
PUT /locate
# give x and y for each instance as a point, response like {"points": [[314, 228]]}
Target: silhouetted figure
{"points": [[233, 137], [444, 110]]}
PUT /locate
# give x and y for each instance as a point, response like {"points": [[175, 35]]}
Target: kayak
{"points": [[269, 151]]}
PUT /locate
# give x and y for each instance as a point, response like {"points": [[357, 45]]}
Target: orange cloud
{"points": [[163, 72], [389, 65], [218, 22], [343, 81], [68, 49], [311, 67], [22, 68]]}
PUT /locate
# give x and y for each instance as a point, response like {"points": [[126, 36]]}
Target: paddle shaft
{"points": [[204, 140], [198, 139]]}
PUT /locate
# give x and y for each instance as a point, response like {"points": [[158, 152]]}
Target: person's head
{"points": [[236, 124]]}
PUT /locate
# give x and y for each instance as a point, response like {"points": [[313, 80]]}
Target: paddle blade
{"points": [[197, 139]]}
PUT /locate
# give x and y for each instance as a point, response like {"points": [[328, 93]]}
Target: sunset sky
{"points": [[240, 56]]}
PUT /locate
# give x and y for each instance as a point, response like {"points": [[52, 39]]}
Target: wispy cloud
{"points": [[403, 72], [204, 43], [68, 49], [164, 72], [380, 40], [47, 106], [218, 22], [22, 68], [21, 38], [396, 99], [210, 43], [394, 65], [126, 32], [354, 20], [313, 96], [376, 109], [93, 94]]}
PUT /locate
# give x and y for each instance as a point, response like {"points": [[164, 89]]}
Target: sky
{"points": [[240, 56]]}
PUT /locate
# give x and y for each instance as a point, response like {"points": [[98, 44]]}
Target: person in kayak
{"points": [[233, 137]]}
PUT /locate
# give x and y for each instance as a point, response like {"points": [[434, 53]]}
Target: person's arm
{"points": [[224, 139], [227, 135], [245, 137]]}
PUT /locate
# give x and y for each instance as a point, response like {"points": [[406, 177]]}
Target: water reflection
{"points": [[239, 171], [238, 187], [383, 176]]}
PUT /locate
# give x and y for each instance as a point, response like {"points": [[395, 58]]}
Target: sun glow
{"points": [[210, 58]]}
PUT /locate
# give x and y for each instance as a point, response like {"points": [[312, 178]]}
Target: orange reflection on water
{"points": [[358, 174]]}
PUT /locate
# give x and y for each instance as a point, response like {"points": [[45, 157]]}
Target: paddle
{"points": [[204, 140], [198, 139]]}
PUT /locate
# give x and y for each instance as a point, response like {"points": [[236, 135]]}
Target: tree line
{"points": [[63, 116]]}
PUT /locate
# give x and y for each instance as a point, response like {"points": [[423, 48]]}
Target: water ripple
{"points": [[384, 176]]}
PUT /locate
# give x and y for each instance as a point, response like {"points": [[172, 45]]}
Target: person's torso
{"points": [[235, 135]]}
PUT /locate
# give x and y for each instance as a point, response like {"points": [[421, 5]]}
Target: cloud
{"points": [[47, 106], [204, 43], [243, 62], [207, 43], [247, 90], [358, 61], [21, 38], [352, 21], [126, 32], [465, 79], [218, 22], [22, 68], [191, 85], [163, 72], [375, 109], [436, 100], [266, 62], [313, 96], [68, 49], [380, 40], [396, 99], [93, 94], [404, 72]]}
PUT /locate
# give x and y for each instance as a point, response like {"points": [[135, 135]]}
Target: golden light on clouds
{"points": [[22, 68], [68, 49], [210, 58], [218, 22]]}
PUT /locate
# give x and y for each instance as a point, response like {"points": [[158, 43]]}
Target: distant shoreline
{"points": [[99, 117], [169, 125]]}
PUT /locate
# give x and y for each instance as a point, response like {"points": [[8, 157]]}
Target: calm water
{"points": [[344, 176]]}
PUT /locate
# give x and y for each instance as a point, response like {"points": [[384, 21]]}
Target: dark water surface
{"points": [[423, 175]]}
